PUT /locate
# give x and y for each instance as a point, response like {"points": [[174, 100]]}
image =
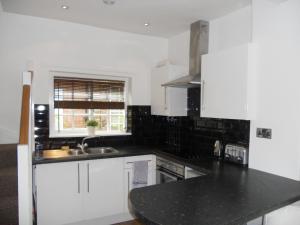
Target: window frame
{"points": [[84, 75]]}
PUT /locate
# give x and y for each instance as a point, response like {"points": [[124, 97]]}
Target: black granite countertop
{"points": [[122, 152], [227, 195]]}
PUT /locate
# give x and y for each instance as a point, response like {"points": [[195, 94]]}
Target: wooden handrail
{"points": [[25, 111]]}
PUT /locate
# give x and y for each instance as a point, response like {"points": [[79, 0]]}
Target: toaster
{"points": [[237, 154]]}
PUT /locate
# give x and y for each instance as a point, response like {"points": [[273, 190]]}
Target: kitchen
{"points": [[247, 103]]}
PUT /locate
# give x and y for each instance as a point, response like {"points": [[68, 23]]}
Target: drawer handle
{"points": [[139, 160]]}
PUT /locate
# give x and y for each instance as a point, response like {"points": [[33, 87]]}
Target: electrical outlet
{"points": [[264, 133]]}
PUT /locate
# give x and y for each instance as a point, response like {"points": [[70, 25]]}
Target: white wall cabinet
{"points": [[227, 79], [168, 101]]}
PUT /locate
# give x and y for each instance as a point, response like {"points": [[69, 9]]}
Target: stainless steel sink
{"points": [[101, 150], [75, 152]]}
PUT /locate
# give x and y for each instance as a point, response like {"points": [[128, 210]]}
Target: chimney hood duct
{"points": [[198, 47]]}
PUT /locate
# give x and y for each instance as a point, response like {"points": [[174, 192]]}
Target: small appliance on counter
{"points": [[218, 149], [237, 154]]}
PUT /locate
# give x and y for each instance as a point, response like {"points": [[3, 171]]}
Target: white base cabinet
{"points": [[77, 191], [129, 174], [227, 77], [104, 188], [59, 191], [86, 192], [288, 215], [168, 101]]}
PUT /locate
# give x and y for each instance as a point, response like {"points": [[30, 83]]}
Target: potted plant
{"points": [[91, 127]]}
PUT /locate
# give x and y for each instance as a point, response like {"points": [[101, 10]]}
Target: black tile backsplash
{"points": [[41, 125], [193, 101], [43, 141], [190, 136]]}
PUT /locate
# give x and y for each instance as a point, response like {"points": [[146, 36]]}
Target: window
{"points": [[78, 100]]}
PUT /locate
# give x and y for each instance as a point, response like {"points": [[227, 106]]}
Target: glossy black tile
{"points": [[189, 137], [43, 141]]}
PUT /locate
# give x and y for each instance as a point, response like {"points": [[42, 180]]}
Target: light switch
{"points": [[264, 133]]}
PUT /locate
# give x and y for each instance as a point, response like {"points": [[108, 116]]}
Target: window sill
{"points": [[66, 135]]}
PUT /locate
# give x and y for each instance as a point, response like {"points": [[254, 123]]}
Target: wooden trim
{"points": [[25, 111], [88, 105]]}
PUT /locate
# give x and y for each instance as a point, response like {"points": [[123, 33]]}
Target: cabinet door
{"points": [[168, 101], [159, 93], [128, 174], [59, 193], [104, 188], [176, 97], [224, 84]]}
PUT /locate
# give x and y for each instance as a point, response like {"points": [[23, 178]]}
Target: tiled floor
{"points": [[132, 222]]}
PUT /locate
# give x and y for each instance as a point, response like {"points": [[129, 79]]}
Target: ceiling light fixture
{"points": [[147, 24], [109, 2], [65, 7]]}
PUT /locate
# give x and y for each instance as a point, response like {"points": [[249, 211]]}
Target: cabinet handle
{"points": [[165, 98], [88, 177], [263, 220], [202, 95], [128, 181], [78, 178], [141, 160]]}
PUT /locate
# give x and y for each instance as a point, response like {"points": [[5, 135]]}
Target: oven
{"points": [[168, 171]]}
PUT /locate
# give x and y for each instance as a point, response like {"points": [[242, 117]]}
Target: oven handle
{"points": [[168, 174]]}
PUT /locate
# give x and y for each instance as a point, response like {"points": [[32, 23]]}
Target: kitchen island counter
{"points": [[227, 195]]}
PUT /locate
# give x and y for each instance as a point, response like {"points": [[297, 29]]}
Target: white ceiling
{"points": [[167, 17]]}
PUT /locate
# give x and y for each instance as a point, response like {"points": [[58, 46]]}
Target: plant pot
{"points": [[91, 131]]}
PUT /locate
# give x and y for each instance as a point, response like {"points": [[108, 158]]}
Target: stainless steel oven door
{"points": [[164, 176]]}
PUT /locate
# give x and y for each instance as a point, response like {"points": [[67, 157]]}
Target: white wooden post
{"points": [[25, 172]]}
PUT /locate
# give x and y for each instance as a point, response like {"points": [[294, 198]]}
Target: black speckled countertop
{"points": [[226, 195], [122, 152]]}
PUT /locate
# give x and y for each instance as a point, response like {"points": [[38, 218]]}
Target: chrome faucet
{"points": [[83, 145]]}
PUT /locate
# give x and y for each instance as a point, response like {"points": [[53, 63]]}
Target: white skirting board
{"points": [[108, 220]]}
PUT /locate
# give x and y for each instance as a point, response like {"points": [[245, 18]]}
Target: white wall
{"points": [[179, 49], [43, 44], [231, 30], [276, 34], [225, 32]]}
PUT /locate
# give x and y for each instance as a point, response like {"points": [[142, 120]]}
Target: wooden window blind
{"points": [[75, 93]]}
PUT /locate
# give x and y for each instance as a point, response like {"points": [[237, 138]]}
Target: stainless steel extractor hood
{"points": [[198, 47]]}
